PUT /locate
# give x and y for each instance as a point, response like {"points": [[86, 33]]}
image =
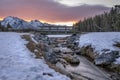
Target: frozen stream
{"points": [[85, 70], [89, 70]]}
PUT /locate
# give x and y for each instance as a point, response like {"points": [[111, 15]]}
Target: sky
{"points": [[65, 12]]}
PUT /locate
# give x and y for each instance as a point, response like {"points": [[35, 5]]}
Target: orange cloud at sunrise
{"points": [[1, 19], [48, 11]]}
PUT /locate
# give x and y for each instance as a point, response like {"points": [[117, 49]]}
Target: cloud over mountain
{"points": [[48, 10]]}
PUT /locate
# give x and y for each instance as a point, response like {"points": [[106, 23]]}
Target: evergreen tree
{"points": [[8, 28], [104, 22], [0, 26]]}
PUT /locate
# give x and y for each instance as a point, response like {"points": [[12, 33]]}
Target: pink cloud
{"points": [[47, 10]]}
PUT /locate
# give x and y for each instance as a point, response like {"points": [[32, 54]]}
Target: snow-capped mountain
{"points": [[36, 23], [17, 23], [46, 24]]}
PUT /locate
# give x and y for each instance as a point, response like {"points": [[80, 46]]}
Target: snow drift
{"points": [[17, 62], [101, 42]]}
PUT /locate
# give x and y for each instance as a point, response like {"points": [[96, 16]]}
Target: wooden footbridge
{"points": [[56, 29], [50, 30]]}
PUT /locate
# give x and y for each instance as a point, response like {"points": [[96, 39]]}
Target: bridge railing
{"points": [[56, 29]]}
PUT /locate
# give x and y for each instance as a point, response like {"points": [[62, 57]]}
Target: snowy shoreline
{"points": [[18, 64], [101, 41]]}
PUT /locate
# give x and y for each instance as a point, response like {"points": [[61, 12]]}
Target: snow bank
{"points": [[101, 41], [17, 62], [117, 61]]}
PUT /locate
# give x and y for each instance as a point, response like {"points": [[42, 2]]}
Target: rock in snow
{"points": [[103, 44], [16, 62]]}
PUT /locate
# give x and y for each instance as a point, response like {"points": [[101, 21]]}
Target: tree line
{"points": [[10, 28], [108, 21], [5, 28]]}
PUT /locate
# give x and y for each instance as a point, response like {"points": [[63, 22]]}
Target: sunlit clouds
{"points": [[109, 3], [49, 10]]}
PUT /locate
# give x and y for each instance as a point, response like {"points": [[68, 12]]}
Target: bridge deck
{"points": [[56, 29]]}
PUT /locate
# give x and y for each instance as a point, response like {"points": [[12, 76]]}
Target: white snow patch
{"points": [[117, 61], [36, 23], [100, 40], [33, 38], [16, 62]]}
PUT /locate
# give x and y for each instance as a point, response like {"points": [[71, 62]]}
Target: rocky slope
{"points": [[62, 52], [103, 48]]}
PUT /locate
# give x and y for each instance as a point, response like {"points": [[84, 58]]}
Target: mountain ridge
{"points": [[18, 23]]}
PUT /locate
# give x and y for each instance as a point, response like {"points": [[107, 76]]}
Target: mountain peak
{"points": [[35, 21], [17, 23]]}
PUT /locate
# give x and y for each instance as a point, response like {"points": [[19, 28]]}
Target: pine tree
{"points": [[0, 26], [104, 22], [8, 27]]}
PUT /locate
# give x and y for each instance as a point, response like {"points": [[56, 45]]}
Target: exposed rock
{"points": [[36, 51], [63, 50], [117, 44], [41, 38], [60, 65], [106, 58], [115, 67], [115, 76], [49, 74], [63, 61], [52, 41], [77, 51], [56, 50], [49, 55], [88, 51], [73, 39], [66, 50], [47, 52], [60, 40], [70, 46], [71, 59]]}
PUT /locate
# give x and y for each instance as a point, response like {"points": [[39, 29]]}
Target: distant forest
{"points": [[109, 21]]}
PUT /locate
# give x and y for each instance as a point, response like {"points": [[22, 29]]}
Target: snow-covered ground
{"points": [[101, 41], [57, 36], [17, 62]]}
